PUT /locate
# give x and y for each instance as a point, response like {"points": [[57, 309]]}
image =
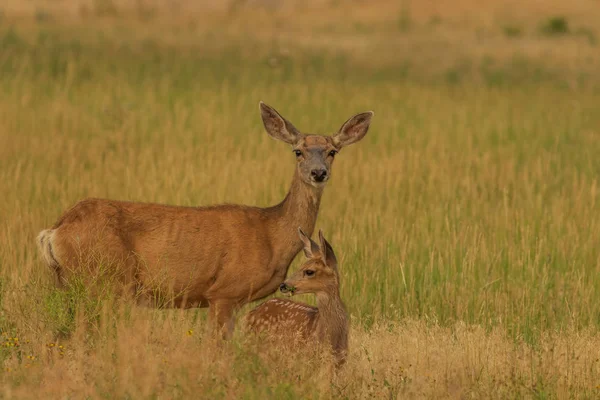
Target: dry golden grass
{"points": [[149, 356], [466, 222]]}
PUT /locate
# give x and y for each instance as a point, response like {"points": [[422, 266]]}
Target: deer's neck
{"points": [[299, 209], [332, 321]]}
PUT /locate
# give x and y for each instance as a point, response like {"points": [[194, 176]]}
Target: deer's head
{"points": [[314, 153], [319, 274]]}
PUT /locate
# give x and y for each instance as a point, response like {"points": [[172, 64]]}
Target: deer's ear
{"points": [[327, 251], [353, 130], [277, 126], [311, 249]]}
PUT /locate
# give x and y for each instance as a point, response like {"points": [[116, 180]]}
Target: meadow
{"points": [[466, 222]]}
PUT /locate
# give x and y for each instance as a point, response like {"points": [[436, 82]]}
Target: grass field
{"points": [[467, 221]]}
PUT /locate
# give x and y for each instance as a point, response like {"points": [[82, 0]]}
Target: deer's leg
{"points": [[220, 317]]}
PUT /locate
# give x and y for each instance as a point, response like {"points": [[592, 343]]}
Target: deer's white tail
{"points": [[44, 243]]}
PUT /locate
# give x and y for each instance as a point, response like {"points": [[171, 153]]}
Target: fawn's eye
{"points": [[309, 272], [298, 153], [332, 153]]}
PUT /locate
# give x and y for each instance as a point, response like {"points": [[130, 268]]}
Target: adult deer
{"points": [[328, 322], [219, 257]]}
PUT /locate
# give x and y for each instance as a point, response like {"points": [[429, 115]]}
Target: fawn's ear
{"points": [[327, 250], [311, 249], [278, 127], [353, 130]]}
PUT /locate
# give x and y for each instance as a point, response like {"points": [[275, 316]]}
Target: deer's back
{"points": [[188, 247], [283, 317]]}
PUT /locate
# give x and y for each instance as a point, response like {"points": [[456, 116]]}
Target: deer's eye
{"points": [[298, 153], [309, 272], [332, 153]]}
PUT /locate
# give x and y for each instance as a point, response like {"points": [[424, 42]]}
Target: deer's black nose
{"points": [[319, 175], [283, 288]]}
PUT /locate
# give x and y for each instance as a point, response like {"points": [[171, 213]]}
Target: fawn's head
{"points": [[314, 153], [318, 274]]}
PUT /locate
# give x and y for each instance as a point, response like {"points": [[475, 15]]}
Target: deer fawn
{"points": [[219, 257], [328, 322]]}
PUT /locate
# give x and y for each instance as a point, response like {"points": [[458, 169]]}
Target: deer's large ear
{"points": [[277, 126], [327, 250], [353, 130], [311, 249]]}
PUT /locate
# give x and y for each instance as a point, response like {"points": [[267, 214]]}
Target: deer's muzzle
{"points": [[286, 289]]}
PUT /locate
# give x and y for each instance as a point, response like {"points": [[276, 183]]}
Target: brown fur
{"points": [[220, 256], [328, 322]]}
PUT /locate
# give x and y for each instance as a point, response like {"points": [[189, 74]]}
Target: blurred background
{"points": [[491, 42]]}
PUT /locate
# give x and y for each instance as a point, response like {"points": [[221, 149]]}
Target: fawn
{"points": [[328, 322]]}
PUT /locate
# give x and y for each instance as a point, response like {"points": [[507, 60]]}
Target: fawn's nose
{"points": [[319, 175], [283, 288]]}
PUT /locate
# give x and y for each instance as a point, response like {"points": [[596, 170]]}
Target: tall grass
{"points": [[466, 220]]}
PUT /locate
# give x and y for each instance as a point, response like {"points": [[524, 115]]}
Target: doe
{"points": [[220, 257]]}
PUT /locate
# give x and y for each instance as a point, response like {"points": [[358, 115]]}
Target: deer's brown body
{"points": [[220, 256], [283, 317], [326, 323], [142, 241]]}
